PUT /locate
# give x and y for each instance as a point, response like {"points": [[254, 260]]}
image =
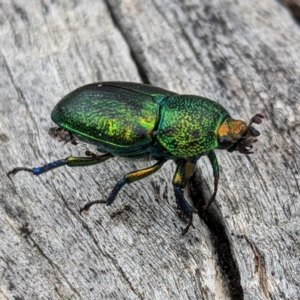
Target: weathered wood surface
{"points": [[245, 55]]}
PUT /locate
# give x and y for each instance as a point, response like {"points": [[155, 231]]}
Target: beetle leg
{"points": [[183, 172], [70, 161], [214, 163], [128, 178]]}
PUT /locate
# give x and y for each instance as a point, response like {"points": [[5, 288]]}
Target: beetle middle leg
{"points": [[128, 178], [183, 172]]}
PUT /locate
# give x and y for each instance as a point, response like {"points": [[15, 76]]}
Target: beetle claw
{"points": [[91, 203], [190, 223], [189, 220], [17, 170], [210, 200]]}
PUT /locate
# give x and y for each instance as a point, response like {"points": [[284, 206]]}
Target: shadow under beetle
{"points": [[134, 120]]}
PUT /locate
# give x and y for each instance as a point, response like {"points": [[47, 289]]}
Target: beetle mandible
{"points": [[134, 120]]}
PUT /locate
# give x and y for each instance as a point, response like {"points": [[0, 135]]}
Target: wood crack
{"points": [[116, 21], [294, 6], [220, 242]]}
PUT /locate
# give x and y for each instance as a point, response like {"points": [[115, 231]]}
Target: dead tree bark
{"points": [[243, 54]]}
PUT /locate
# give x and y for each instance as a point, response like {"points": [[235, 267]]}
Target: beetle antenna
{"points": [[247, 141], [257, 119]]}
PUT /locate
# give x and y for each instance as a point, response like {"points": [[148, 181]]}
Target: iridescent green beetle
{"points": [[134, 120]]}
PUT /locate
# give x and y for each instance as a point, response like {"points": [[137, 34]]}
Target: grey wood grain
{"points": [[243, 54]]}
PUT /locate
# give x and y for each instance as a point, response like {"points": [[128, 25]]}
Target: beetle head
{"points": [[235, 135]]}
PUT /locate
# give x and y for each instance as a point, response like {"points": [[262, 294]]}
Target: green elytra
{"points": [[135, 120]]}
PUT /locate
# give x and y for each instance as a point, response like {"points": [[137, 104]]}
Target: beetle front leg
{"points": [[70, 161], [183, 172], [128, 178], [214, 163]]}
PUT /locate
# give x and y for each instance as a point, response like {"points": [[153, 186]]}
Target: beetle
{"points": [[134, 120]]}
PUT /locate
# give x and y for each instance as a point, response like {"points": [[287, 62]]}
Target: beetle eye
{"points": [[224, 142]]}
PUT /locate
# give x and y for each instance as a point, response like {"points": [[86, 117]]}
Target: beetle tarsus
{"points": [[110, 198], [209, 201], [181, 202], [17, 170], [215, 166], [189, 224], [91, 203]]}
